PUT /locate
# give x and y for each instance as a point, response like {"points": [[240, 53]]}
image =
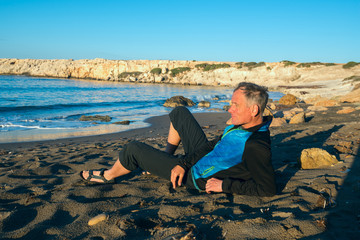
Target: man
{"points": [[239, 162]]}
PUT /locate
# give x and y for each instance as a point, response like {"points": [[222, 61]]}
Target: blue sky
{"points": [[270, 31]]}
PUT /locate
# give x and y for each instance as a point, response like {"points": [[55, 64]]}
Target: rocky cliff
{"points": [[308, 79]]}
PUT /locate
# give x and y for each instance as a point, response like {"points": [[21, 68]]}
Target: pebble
{"points": [[97, 219], [282, 214], [4, 215]]}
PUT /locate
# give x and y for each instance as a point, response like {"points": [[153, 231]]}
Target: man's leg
{"points": [[115, 171], [139, 155], [173, 140], [185, 127]]}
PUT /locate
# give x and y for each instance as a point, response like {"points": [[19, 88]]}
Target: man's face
{"points": [[240, 112]]}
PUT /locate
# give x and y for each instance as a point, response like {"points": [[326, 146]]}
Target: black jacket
{"points": [[253, 176]]}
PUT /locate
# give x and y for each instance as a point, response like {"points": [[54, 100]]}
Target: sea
{"points": [[33, 108]]}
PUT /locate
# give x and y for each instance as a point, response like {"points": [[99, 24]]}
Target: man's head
{"points": [[248, 104]]}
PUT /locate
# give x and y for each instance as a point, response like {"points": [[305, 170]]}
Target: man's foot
{"points": [[95, 176]]}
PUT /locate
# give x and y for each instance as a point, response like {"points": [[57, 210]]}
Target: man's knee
{"points": [[179, 112], [133, 147], [128, 157]]}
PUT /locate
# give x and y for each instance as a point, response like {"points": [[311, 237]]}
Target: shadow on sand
{"points": [[286, 149]]}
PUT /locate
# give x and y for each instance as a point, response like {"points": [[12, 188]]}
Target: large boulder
{"points": [[327, 103], [351, 97], [277, 122], [313, 158], [288, 99], [298, 118], [178, 101]]}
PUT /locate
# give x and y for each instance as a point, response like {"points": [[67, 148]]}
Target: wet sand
{"points": [[43, 197]]}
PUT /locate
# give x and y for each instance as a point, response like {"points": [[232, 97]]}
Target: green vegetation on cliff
{"points": [[309, 64], [156, 71], [251, 65], [288, 63], [350, 65], [208, 67], [352, 79], [129, 74], [176, 71], [330, 64], [306, 64], [239, 64]]}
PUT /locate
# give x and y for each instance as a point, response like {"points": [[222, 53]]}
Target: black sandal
{"points": [[100, 177]]}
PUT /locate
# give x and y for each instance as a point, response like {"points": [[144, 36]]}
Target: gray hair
{"points": [[255, 94]]}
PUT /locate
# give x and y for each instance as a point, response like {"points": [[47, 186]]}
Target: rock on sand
{"points": [[316, 158]]}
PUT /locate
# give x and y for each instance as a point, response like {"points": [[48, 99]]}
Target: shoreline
{"points": [[24, 126], [158, 125]]}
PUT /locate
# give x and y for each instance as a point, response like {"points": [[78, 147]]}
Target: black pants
{"points": [[137, 154]]}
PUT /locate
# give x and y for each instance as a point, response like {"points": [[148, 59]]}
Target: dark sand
{"points": [[42, 196]]}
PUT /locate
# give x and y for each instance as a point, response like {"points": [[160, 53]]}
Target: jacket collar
{"points": [[266, 121]]}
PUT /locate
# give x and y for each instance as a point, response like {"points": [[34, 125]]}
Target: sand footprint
{"points": [[19, 219]]}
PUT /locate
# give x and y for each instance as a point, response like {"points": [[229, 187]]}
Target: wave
{"points": [[9, 125], [137, 104], [212, 97]]}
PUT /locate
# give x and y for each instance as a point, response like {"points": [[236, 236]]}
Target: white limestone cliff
{"points": [[327, 81]]}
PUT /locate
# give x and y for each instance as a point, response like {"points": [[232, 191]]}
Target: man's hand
{"points": [[213, 185], [177, 174]]}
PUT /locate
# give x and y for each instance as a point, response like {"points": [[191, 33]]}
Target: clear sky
{"points": [[263, 30]]}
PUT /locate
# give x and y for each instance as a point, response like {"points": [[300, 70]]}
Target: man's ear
{"points": [[255, 110]]}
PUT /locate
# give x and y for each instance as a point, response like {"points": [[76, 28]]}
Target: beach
{"points": [[84, 82], [43, 197]]}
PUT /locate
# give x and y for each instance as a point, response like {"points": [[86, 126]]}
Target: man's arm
{"points": [[262, 183], [178, 172]]}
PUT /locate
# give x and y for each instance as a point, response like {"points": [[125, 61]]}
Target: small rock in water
{"points": [[204, 104], [226, 107], [178, 101], [97, 219], [126, 122], [96, 118]]}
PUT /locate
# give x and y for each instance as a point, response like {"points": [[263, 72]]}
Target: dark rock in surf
{"points": [[96, 118], [178, 101]]}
